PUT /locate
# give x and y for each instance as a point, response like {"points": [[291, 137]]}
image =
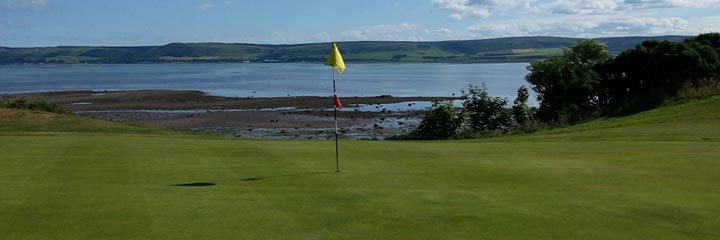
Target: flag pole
{"points": [[335, 60], [337, 158]]}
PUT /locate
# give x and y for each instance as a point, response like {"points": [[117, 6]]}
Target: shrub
{"points": [[699, 90], [14, 103], [567, 85], [440, 122], [485, 113], [530, 126], [43, 105], [38, 105], [520, 110]]}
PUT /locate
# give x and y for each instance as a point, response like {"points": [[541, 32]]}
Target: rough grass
{"points": [[639, 177], [25, 121], [692, 121]]}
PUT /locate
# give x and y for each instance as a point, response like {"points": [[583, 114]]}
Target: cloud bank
{"points": [[26, 4], [579, 18]]}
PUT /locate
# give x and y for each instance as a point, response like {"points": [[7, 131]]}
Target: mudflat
{"points": [[273, 117]]}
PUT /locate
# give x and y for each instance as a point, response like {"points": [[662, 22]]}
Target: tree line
{"points": [[584, 83]]}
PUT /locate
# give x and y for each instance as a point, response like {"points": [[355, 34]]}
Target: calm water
{"points": [[269, 80]]}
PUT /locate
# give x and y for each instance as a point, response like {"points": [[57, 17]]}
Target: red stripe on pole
{"points": [[336, 99]]}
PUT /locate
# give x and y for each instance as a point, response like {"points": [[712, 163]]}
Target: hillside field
{"points": [[653, 175], [512, 49]]}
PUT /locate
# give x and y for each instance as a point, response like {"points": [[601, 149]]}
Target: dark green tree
{"points": [[567, 85], [644, 77], [708, 46], [485, 113], [708, 39], [521, 111]]}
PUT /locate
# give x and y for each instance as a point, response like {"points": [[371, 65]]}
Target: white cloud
{"points": [[579, 18], [462, 9], [26, 4], [583, 6], [585, 26], [382, 32], [205, 5], [613, 6], [208, 4], [402, 32], [478, 8], [438, 31], [707, 24], [323, 37], [667, 25], [640, 4]]}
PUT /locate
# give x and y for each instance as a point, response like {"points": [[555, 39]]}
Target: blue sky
{"points": [[26, 23]]}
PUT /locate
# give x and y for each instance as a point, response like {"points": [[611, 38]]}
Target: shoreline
{"points": [[298, 62], [306, 117], [194, 99]]}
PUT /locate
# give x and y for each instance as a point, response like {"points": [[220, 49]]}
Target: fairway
{"points": [[653, 175]]}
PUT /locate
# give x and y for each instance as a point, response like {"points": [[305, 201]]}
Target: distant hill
{"points": [[514, 49]]}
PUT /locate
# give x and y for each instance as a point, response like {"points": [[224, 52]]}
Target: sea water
{"points": [[270, 79]]}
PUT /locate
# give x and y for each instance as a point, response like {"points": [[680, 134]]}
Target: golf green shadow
{"points": [[198, 184], [282, 176], [206, 184]]}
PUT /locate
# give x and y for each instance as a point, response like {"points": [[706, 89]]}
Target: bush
{"points": [[485, 113], [530, 126], [638, 102], [42, 105], [699, 90], [654, 73], [14, 103], [440, 122], [567, 85], [38, 105], [521, 111]]}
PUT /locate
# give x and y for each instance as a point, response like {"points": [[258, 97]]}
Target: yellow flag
{"points": [[335, 59]]}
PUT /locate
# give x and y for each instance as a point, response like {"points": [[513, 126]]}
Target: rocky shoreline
{"points": [[275, 118]]}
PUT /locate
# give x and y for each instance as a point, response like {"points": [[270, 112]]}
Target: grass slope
{"points": [[693, 121], [648, 176]]}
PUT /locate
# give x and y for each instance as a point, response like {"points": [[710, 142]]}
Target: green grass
{"points": [[650, 176], [693, 121], [13, 121]]}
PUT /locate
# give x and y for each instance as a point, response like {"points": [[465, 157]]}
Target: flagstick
{"points": [[337, 161]]}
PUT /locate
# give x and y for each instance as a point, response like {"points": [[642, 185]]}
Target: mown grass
{"points": [[639, 177]]}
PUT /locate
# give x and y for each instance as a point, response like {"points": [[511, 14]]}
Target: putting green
{"points": [[649, 176]]}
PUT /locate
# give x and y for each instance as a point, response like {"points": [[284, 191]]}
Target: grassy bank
{"points": [[647, 176]]}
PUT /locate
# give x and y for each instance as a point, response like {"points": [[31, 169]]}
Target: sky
{"points": [[39, 23]]}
